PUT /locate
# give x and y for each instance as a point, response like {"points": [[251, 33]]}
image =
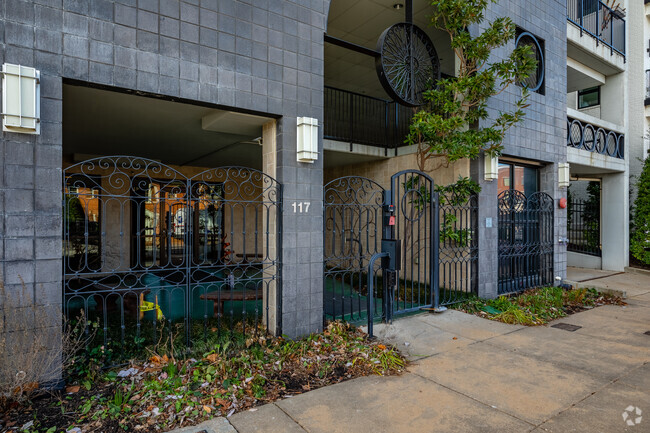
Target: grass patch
{"points": [[162, 392], [537, 306]]}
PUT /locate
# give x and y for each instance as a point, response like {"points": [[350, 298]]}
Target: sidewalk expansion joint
{"points": [[291, 418], [489, 406]]}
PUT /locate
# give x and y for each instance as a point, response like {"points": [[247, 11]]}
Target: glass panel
{"points": [[589, 97], [526, 180], [504, 177]]}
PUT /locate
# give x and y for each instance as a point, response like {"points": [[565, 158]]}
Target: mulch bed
{"points": [[163, 393]]}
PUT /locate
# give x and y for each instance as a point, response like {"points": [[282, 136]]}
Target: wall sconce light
{"points": [[491, 167], [307, 139], [563, 174], [21, 99]]}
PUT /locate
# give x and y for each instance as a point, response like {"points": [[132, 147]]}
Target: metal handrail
{"points": [[371, 289], [600, 21]]}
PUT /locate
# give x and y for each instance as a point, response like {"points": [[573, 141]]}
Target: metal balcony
{"points": [[593, 138], [356, 118], [599, 21]]}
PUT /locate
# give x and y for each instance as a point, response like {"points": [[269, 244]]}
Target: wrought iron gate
{"points": [[525, 241], [433, 270], [147, 249]]}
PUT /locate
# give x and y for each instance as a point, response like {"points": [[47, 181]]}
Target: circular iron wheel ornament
{"points": [[535, 80], [408, 63]]}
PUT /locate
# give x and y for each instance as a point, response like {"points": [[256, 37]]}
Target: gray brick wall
{"points": [[261, 55], [541, 135]]}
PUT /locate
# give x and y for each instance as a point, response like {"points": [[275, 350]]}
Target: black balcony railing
{"points": [[647, 87], [356, 118], [599, 21], [593, 138]]}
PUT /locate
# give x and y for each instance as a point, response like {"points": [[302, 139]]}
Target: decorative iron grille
{"points": [[458, 247], [353, 210], [593, 138], [583, 227], [352, 234], [525, 241], [150, 253]]}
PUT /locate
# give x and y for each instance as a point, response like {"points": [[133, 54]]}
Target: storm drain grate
{"points": [[566, 327]]}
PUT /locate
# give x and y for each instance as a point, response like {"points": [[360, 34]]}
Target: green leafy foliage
{"points": [[446, 124], [537, 306], [640, 239]]}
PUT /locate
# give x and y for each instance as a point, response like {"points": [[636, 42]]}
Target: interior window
{"points": [[589, 97]]}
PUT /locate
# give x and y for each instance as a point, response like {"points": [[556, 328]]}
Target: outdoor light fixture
{"points": [[398, 6], [491, 167], [563, 174], [20, 99], [307, 139]]}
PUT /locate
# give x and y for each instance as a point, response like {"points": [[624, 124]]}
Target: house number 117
{"points": [[300, 207]]}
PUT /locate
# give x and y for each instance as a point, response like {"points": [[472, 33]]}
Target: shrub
{"points": [[33, 354], [640, 239]]}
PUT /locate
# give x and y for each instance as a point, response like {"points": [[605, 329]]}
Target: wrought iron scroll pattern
{"points": [[352, 234], [136, 231], [525, 241], [458, 247]]}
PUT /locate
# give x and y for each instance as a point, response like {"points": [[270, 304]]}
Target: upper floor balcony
{"points": [[594, 143], [599, 21], [360, 119]]}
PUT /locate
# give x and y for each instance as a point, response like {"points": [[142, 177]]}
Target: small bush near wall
{"points": [[640, 239], [33, 354]]}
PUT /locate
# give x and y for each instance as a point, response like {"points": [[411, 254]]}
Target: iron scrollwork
{"points": [[147, 247]]}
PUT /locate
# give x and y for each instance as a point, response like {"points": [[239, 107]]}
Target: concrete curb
{"points": [[637, 271], [215, 425], [595, 285]]}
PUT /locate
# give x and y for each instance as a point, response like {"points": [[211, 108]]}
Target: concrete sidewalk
{"points": [[473, 375]]}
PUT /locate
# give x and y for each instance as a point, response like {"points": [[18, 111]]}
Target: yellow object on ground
{"points": [[150, 306]]}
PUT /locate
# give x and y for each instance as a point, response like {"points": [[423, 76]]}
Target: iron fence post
{"points": [[435, 249], [371, 288]]}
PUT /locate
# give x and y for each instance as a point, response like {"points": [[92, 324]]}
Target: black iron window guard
{"points": [[592, 138], [356, 118], [599, 21]]}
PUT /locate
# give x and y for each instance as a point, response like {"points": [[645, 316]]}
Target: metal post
{"points": [[435, 250], [371, 289]]}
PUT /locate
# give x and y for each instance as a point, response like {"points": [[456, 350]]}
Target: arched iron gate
{"points": [[436, 231], [525, 241], [148, 250]]}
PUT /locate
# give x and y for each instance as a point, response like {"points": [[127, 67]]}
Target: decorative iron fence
{"points": [[458, 247], [525, 241], [599, 21], [583, 227], [356, 118], [151, 255], [354, 224], [592, 138]]}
